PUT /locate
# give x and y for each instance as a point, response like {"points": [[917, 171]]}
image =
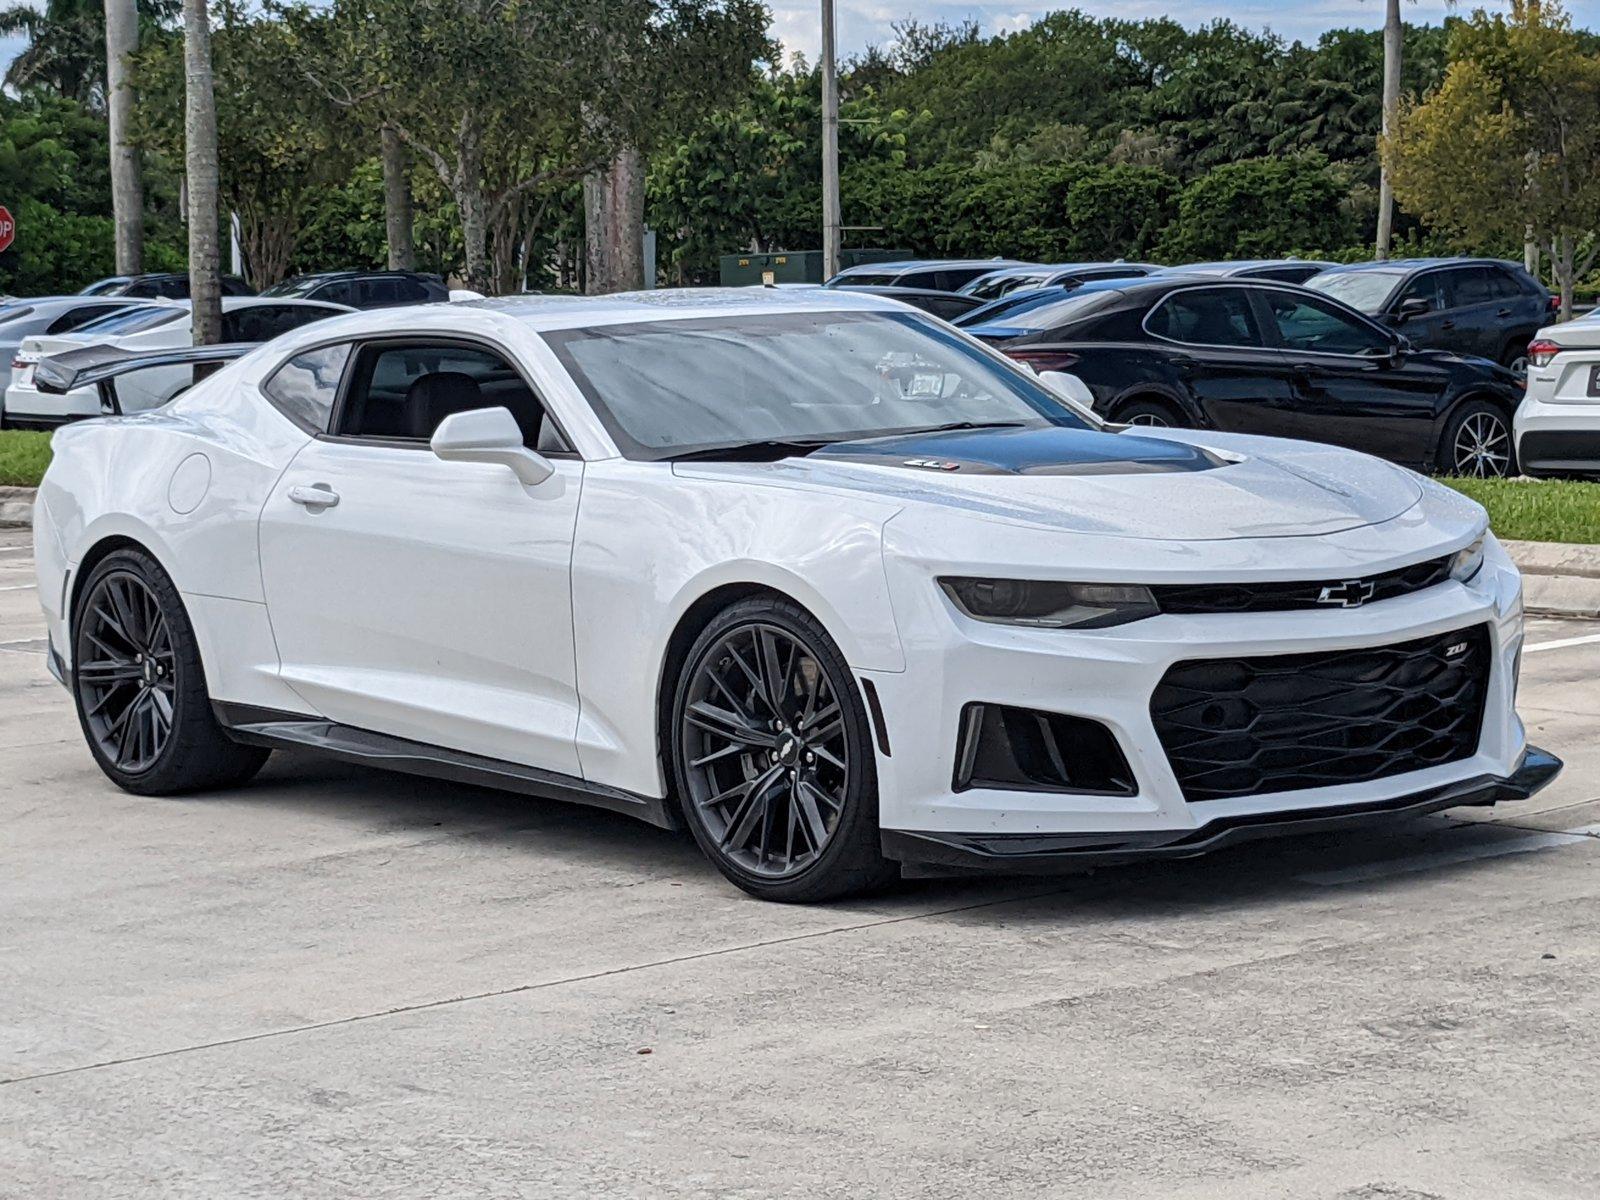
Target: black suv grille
{"points": [[1279, 597], [1243, 726]]}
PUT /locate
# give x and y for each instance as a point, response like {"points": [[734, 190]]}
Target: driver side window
{"points": [[1309, 324], [1427, 287]]}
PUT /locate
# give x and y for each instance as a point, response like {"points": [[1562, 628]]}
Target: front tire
{"points": [[140, 688], [772, 757], [1478, 443]]}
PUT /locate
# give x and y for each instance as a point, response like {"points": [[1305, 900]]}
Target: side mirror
{"points": [[490, 435], [1068, 386], [1414, 307]]}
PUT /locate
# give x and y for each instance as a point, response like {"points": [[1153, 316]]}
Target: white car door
{"points": [[419, 598]]}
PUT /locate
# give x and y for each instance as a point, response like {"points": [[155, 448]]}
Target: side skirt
{"points": [[292, 731]]}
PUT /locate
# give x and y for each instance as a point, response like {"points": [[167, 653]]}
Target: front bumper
{"points": [[1061, 853]]}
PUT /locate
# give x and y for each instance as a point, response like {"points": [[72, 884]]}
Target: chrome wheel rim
{"points": [[126, 672], [1483, 446], [764, 751], [1149, 419]]}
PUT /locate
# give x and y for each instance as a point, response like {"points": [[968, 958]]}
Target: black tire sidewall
{"points": [[851, 862], [1155, 408]]}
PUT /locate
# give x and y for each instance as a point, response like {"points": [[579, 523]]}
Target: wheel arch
{"points": [[1147, 392]]}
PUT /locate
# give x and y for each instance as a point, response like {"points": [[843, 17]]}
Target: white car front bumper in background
{"points": [[1182, 698]]}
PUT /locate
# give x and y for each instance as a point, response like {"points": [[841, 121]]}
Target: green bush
{"points": [[1258, 207]]}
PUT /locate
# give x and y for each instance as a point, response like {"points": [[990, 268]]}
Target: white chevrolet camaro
{"points": [[829, 583]]}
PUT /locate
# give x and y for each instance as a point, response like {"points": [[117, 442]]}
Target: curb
{"points": [[16, 506], [1558, 579]]}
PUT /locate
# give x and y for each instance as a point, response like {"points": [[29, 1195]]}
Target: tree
{"points": [[1393, 49], [127, 188], [200, 158], [66, 50], [1508, 141], [1260, 208]]}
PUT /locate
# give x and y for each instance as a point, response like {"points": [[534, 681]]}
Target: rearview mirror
{"points": [[490, 435]]}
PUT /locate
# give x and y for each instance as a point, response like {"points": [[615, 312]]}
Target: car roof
{"points": [[1406, 265], [362, 273], [1231, 266], [895, 291], [899, 265]]}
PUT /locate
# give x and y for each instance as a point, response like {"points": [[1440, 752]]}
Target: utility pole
{"points": [[831, 216]]}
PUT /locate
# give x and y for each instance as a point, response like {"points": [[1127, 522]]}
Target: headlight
{"points": [[1467, 563], [1050, 605]]}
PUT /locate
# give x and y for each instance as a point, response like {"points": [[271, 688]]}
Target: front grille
{"points": [[1245, 726], [1281, 597]]}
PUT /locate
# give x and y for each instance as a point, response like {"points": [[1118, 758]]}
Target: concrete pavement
{"points": [[338, 982]]}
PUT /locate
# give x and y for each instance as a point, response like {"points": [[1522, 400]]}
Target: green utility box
{"points": [[794, 266]]}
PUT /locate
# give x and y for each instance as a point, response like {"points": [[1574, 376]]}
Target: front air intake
{"points": [[1027, 750]]}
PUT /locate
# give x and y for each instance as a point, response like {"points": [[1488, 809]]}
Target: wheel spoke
{"points": [[751, 808], [729, 726], [806, 797], [777, 685], [109, 670]]}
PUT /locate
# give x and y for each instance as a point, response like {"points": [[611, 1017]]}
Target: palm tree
{"points": [[200, 157], [1393, 48], [65, 51], [127, 189]]}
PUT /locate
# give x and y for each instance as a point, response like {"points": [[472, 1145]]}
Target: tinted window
{"points": [[263, 322], [864, 280], [342, 291], [135, 319], [1310, 324], [945, 308], [376, 293], [404, 391], [1292, 273], [666, 387], [1206, 317], [1429, 287], [82, 315], [305, 386], [1505, 284], [410, 291], [1472, 285]]}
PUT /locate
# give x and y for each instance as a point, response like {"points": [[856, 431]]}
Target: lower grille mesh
{"points": [[1243, 726]]}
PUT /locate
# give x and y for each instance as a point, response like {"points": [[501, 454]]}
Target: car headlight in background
{"points": [[1050, 605], [1466, 564]]}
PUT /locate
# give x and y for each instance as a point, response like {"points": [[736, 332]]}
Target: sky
{"points": [[797, 23]]}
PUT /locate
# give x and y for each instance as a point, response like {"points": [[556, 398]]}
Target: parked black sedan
{"points": [[947, 306], [1268, 358], [1476, 306], [364, 289]]}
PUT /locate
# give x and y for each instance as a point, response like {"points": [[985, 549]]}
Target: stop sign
{"points": [[8, 227]]}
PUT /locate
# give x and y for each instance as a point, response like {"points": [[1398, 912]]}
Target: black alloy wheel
{"points": [[139, 687], [773, 765], [127, 681]]}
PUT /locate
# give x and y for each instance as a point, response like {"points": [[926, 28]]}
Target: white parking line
{"points": [[1445, 858], [17, 587], [1563, 643]]}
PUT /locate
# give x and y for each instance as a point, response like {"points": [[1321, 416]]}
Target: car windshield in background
{"points": [[1084, 302], [132, 320], [665, 388], [1365, 290], [297, 287]]}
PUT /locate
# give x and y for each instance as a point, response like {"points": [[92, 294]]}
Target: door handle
{"points": [[1502, 312], [1447, 324], [317, 496]]}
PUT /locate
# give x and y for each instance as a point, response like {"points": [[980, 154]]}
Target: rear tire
{"points": [[772, 757], [1156, 413], [140, 687], [1478, 442]]}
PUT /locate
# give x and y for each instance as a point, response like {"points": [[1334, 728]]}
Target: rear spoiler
{"points": [[100, 366]]}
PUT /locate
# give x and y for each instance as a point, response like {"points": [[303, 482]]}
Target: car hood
{"points": [[1184, 485]]}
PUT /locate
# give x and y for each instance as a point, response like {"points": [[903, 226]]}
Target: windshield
{"points": [[1012, 302], [664, 388], [131, 320], [1365, 290], [300, 285], [1081, 303]]}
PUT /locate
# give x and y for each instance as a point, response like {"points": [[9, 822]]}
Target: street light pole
{"points": [[831, 216]]}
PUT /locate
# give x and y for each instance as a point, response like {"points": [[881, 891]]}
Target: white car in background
{"points": [[147, 325], [1557, 425], [840, 589]]}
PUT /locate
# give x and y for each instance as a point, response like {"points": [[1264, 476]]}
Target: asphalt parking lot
{"points": [[338, 982]]}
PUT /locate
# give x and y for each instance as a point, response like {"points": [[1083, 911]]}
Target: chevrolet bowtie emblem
{"points": [[1352, 593]]}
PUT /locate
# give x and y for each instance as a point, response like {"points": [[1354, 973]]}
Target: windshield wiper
{"points": [[953, 425], [757, 451]]}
